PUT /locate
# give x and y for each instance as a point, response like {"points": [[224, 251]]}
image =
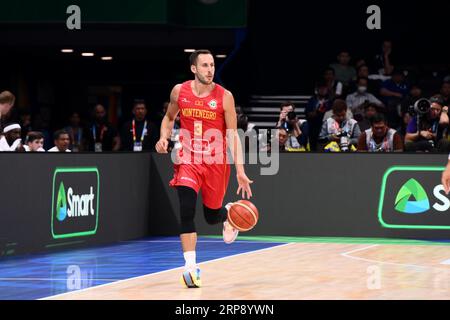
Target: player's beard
{"points": [[204, 80]]}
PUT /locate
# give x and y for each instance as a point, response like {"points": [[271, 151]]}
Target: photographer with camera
{"points": [[425, 130], [297, 129], [339, 132], [380, 138]]}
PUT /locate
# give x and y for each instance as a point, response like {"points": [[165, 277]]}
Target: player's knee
{"points": [[214, 216]]}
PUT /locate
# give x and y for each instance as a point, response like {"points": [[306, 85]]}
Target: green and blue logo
{"points": [[412, 197], [412, 190], [75, 202], [61, 203]]}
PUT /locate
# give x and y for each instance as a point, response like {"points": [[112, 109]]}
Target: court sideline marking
{"points": [[164, 271], [348, 255]]}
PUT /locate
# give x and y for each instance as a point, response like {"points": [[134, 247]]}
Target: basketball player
{"points": [[203, 105]]}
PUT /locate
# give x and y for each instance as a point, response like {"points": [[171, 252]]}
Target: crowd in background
{"points": [[96, 134], [369, 107]]}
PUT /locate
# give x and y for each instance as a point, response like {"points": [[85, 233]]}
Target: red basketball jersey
{"points": [[198, 115]]}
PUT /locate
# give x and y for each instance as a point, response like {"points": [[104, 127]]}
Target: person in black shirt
{"points": [[139, 133], [101, 135]]}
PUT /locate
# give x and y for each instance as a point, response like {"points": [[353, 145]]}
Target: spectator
{"points": [[360, 62], [62, 141], [315, 110], [7, 100], [10, 141], [370, 110], [380, 138], [41, 124], [383, 60], [244, 125], [335, 88], [283, 137], [34, 142], [393, 91], [344, 72], [356, 100], [139, 133], [250, 125], [297, 130], [425, 133], [283, 142], [406, 118], [339, 129], [373, 84], [76, 133], [102, 135], [25, 123], [445, 93]]}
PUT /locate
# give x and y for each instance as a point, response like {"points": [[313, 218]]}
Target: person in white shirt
{"points": [[62, 141], [34, 142], [10, 140]]}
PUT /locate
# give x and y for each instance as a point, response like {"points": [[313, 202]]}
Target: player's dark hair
{"points": [[194, 56]]}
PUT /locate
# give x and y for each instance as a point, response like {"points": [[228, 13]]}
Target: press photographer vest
{"points": [[333, 126], [387, 145]]}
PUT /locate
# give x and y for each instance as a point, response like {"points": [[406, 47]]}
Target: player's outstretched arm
{"points": [[168, 121], [445, 180], [234, 144]]}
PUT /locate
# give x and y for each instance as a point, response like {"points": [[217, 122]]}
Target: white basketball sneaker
{"points": [[229, 233]]}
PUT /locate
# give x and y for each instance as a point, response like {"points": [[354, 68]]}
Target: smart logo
{"points": [[61, 203], [413, 198], [75, 205], [412, 189]]}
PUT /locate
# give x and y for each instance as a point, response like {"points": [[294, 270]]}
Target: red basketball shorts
{"points": [[211, 179]]}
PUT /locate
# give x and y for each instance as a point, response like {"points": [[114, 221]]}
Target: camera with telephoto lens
{"points": [[422, 106], [419, 108], [344, 141]]}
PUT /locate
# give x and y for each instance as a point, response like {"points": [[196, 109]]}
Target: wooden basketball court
{"points": [[300, 271]]}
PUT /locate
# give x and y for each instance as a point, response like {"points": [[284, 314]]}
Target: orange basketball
{"points": [[243, 215]]}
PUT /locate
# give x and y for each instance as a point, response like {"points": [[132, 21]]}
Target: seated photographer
{"points": [[380, 138], [425, 130], [296, 129], [339, 131]]}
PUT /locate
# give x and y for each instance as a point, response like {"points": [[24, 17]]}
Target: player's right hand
{"points": [[162, 145], [445, 180]]}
